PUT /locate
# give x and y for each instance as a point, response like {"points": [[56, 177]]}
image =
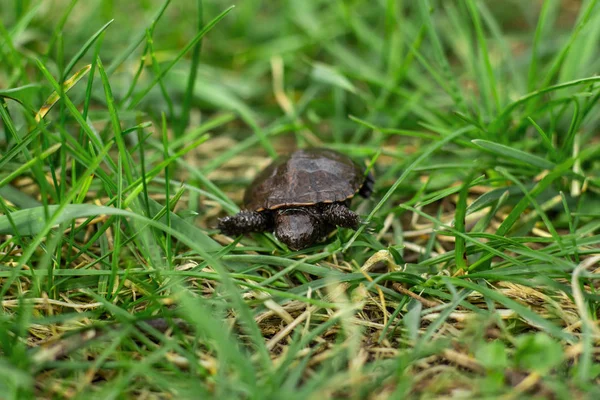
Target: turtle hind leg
{"points": [[245, 222], [340, 215], [367, 188]]}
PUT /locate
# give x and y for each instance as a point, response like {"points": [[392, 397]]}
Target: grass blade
{"points": [[515, 154], [136, 100], [55, 96], [84, 49]]}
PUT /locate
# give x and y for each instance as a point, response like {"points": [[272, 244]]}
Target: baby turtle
{"points": [[302, 197]]}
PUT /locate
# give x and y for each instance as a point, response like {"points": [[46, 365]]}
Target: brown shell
{"points": [[305, 177]]}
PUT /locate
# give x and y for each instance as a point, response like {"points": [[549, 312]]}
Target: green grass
{"points": [[128, 128]]}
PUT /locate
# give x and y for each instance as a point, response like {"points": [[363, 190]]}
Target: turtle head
{"points": [[297, 228]]}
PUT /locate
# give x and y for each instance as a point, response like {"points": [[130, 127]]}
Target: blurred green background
{"points": [[338, 57]]}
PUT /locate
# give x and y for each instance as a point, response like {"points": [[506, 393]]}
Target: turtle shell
{"points": [[303, 178]]}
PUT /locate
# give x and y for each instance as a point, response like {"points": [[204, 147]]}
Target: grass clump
{"points": [[129, 128]]}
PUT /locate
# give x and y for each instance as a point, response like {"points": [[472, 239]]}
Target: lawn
{"points": [[129, 128]]}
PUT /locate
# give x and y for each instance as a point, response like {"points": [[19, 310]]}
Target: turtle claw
{"points": [[369, 226]]}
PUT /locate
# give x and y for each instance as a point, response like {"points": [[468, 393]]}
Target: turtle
{"points": [[302, 197]]}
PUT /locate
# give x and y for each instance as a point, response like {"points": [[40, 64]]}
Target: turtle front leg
{"points": [[340, 215], [245, 222]]}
